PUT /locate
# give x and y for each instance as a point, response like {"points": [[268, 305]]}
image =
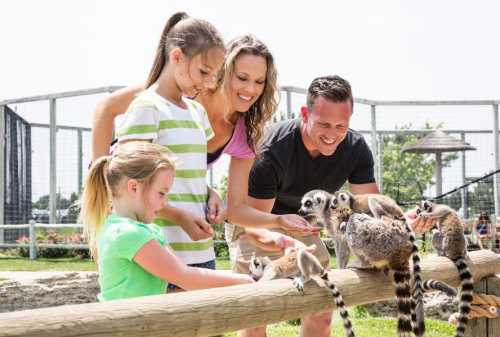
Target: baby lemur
{"points": [[383, 240], [450, 241], [301, 265]]}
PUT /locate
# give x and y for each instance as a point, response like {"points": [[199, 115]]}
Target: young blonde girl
{"points": [[122, 193]]}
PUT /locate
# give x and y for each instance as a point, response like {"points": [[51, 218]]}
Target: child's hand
{"points": [[196, 227], [216, 212]]}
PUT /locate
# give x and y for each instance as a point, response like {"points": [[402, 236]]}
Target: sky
{"points": [[388, 50]]}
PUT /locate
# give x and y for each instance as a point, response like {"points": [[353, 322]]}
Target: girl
{"points": [[130, 254], [189, 55]]}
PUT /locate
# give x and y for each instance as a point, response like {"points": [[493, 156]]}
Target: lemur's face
{"points": [[341, 200], [256, 267], [425, 205], [314, 204]]}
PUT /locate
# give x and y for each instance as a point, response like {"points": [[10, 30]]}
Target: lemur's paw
{"points": [[299, 284]]}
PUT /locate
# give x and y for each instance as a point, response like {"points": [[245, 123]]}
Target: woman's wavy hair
{"points": [[262, 110]]}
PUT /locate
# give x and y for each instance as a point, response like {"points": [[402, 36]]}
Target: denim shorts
{"points": [[207, 265]]}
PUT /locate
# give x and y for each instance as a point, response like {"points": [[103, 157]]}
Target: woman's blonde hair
{"points": [[262, 110], [137, 160]]}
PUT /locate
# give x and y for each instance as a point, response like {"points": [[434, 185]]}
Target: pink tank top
{"points": [[237, 146]]}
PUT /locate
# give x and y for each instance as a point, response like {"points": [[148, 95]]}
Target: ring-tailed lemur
{"points": [[334, 212], [301, 265], [451, 243]]}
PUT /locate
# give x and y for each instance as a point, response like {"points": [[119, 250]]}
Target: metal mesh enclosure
{"points": [[17, 187]]}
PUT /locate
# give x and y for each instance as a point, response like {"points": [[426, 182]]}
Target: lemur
{"points": [[388, 227], [301, 265], [451, 242]]}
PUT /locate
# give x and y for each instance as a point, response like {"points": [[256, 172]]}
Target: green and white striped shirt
{"points": [[185, 132]]}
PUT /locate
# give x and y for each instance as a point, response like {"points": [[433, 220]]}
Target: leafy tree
{"points": [[61, 203], [407, 175]]}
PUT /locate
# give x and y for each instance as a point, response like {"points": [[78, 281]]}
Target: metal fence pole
{"points": [[497, 162], [80, 161], [374, 142], [288, 104], [53, 166], [465, 206], [2, 170], [32, 240], [381, 162]]}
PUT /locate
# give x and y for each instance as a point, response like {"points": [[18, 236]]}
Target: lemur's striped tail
{"points": [[339, 301], [431, 284], [465, 295], [403, 298], [417, 293]]}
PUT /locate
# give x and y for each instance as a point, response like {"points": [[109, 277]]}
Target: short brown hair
{"points": [[333, 88]]}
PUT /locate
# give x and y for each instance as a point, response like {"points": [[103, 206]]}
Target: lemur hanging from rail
{"points": [[450, 241], [301, 265]]}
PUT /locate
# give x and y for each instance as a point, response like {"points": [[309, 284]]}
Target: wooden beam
{"points": [[216, 311]]}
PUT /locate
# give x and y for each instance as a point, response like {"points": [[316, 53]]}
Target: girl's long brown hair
{"points": [[193, 36]]}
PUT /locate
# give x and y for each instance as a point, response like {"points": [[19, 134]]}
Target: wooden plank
{"points": [[494, 289], [478, 327]]}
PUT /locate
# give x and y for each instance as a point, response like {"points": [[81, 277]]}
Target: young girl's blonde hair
{"points": [[137, 160]]}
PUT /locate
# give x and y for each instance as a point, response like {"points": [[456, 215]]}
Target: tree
{"points": [[407, 175], [61, 203]]}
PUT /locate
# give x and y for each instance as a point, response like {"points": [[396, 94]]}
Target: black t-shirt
{"points": [[285, 170]]}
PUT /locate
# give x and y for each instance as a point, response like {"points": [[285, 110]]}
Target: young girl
{"points": [[188, 57], [129, 249]]}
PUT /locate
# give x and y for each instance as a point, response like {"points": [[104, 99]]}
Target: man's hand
{"points": [[196, 227], [419, 224], [297, 225], [216, 212], [274, 242]]}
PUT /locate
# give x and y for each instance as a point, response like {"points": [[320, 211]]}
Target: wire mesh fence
{"points": [[386, 128]]}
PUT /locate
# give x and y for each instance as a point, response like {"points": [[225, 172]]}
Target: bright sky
{"points": [[444, 49], [388, 50]]}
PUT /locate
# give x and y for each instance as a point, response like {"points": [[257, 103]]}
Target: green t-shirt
{"points": [[119, 276]]}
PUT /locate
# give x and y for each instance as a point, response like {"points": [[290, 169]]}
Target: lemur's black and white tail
{"points": [[339, 301], [466, 293], [417, 293], [403, 298], [430, 284]]}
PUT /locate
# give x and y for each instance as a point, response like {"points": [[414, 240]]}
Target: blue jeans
{"points": [[207, 265]]}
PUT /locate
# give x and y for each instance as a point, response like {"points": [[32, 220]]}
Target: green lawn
{"points": [[363, 327]]}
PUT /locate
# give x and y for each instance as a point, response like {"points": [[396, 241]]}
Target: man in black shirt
{"points": [[319, 151]]}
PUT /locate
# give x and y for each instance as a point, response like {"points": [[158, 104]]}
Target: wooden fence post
{"points": [[485, 327]]}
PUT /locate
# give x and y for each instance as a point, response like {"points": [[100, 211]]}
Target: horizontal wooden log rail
{"points": [[216, 311]]}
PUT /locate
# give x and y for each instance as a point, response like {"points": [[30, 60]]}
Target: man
{"points": [[318, 151]]}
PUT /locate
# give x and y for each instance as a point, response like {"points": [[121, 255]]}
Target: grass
{"points": [[363, 327]]}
